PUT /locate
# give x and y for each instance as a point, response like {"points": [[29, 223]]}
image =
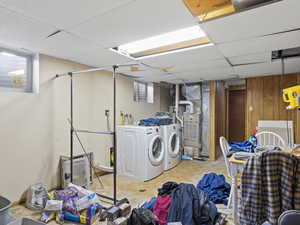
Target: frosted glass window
{"points": [[143, 92], [15, 71]]}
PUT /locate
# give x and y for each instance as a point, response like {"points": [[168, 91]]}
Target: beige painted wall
{"points": [[35, 132]]}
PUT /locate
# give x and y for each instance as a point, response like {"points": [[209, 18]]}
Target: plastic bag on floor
{"points": [[54, 205], [86, 198], [35, 196], [87, 201]]}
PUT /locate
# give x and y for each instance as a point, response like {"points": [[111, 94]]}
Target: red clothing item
{"points": [[161, 208]]}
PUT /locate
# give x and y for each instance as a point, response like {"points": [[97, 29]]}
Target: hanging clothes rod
{"points": [[94, 132], [113, 133], [96, 69]]}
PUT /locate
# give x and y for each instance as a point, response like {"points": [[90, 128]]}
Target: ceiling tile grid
{"points": [[276, 17], [137, 20], [68, 46], [251, 58], [91, 27], [262, 44], [190, 56], [22, 32], [261, 69], [63, 14]]}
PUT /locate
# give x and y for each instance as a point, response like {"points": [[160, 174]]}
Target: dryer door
{"points": [[174, 145], [156, 151]]}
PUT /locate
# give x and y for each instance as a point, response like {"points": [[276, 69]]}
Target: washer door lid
{"points": [[174, 145], [156, 151]]}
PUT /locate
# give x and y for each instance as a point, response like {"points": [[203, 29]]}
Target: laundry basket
{"points": [[5, 204]]}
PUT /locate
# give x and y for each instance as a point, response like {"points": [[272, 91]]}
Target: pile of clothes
{"points": [[183, 203], [155, 122], [216, 187], [74, 203]]}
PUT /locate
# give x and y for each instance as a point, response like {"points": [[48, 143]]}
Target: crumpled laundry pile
{"points": [[183, 203], [216, 187], [74, 203]]}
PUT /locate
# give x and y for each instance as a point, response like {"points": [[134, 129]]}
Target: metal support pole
{"points": [[95, 132], [71, 129], [114, 135], [96, 69]]}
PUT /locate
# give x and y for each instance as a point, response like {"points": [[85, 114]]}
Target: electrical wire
{"points": [[85, 152]]}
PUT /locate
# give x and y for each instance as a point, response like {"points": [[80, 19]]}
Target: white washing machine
{"points": [[171, 137], [140, 152]]}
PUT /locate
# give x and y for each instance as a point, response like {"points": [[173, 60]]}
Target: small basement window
{"points": [[143, 92], [16, 71]]}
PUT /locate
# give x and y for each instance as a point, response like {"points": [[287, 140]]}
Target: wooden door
{"points": [[236, 115]]}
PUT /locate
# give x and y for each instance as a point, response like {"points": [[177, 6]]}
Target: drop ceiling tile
{"points": [[135, 21], [262, 44], [204, 57], [63, 14], [203, 65], [208, 74], [154, 78], [67, 46], [251, 58], [261, 69], [20, 31], [276, 17], [143, 73]]}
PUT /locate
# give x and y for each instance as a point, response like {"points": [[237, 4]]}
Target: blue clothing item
{"points": [[216, 187], [149, 205], [156, 122], [246, 146]]}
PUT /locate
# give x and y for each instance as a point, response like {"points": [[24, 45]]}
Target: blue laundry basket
{"points": [[5, 204]]}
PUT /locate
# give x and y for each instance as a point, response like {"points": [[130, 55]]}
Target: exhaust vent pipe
{"points": [[241, 5]]}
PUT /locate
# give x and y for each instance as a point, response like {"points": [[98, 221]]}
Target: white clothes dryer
{"points": [[171, 137], [140, 152]]}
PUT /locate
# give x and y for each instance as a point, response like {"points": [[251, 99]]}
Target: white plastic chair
{"points": [[225, 150], [270, 139]]}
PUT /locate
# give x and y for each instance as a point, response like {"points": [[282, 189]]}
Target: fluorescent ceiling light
{"points": [[16, 72], [166, 39], [7, 54]]}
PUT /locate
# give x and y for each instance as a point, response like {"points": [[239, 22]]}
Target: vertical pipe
{"points": [[114, 136], [71, 129], [176, 99]]}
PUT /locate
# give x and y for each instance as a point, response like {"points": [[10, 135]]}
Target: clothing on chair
{"points": [[270, 185], [245, 146]]}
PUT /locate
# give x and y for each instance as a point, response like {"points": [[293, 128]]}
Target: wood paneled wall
{"points": [[217, 117], [264, 101]]}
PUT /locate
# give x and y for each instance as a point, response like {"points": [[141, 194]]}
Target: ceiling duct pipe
{"points": [[241, 5], [191, 105], [177, 105]]}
